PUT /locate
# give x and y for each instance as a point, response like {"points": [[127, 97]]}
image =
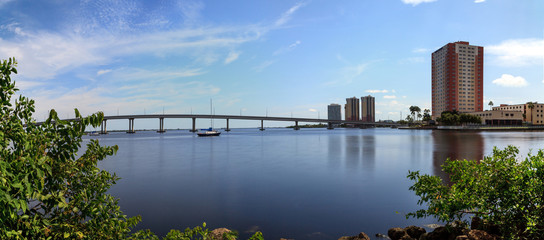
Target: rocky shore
{"points": [[456, 231], [478, 230]]}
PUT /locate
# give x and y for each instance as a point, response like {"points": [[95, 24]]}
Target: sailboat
{"points": [[209, 132]]}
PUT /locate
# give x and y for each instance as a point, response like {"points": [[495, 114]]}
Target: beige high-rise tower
{"points": [[367, 109], [351, 109]]}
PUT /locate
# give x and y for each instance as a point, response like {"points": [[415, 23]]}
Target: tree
{"points": [[531, 105], [427, 115], [46, 191], [501, 189], [490, 105], [414, 110], [450, 118]]}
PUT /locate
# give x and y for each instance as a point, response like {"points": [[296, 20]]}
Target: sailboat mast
{"points": [[211, 113]]}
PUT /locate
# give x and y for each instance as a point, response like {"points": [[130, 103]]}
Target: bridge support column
{"points": [[194, 126], [161, 125], [131, 125], [296, 126], [262, 125], [228, 129], [330, 127], [104, 127]]}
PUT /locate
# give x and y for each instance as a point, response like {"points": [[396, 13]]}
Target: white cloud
{"points": [[263, 65], [100, 72], [312, 110], [377, 91], [517, 52], [287, 49], [286, 16], [421, 50], [389, 96], [417, 2], [191, 10], [231, 57], [24, 85], [479, 1], [507, 80], [2, 2]]}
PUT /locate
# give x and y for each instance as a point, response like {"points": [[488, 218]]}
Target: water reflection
{"points": [[360, 150], [353, 151], [455, 145], [369, 151]]}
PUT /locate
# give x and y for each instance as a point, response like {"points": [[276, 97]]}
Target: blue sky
{"points": [[256, 57]]}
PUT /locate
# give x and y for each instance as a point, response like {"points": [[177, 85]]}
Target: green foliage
{"points": [[455, 118], [427, 115], [196, 233], [46, 190], [500, 189], [415, 111]]}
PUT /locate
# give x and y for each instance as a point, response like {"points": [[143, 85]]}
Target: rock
{"points": [[397, 233], [462, 237], [493, 229], [217, 234], [414, 231], [379, 235], [432, 225], [361, 236], [476, 223], [440, 233], [480, 235]]}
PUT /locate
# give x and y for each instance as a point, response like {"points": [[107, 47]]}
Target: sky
{"points": [[275, 58]]}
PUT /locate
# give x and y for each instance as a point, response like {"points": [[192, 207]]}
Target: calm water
{"points": [[307, 184]]}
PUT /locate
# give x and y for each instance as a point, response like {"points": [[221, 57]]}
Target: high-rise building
{"points": [[351, 109], [457, 78], [367, 109], [334, 112]]}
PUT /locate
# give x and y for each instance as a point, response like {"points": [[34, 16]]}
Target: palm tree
{"points": [[531, 105], [426, 115], [414, 110], [490, 105]]}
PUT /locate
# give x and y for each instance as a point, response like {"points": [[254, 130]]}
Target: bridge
{"points": [[161, 117]]}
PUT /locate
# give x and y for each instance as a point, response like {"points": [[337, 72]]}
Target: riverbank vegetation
{"points": [[502, 190], [453, 118], [321, 125], [47, 191]]}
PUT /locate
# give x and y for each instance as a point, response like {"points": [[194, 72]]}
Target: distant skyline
{"points": [[279, 58]]}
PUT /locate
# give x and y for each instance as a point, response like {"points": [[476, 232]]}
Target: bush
{"points": [[500, 189], [47, 191]]}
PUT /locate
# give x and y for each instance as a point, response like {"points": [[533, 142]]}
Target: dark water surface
{"points": [[307, 184]]}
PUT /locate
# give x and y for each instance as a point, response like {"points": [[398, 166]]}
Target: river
{"points": [[307, 184]]}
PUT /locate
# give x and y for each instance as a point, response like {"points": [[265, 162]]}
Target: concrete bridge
{"points": [[161, 118]]}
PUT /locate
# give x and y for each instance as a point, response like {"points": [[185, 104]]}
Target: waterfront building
{"points": [[457, 78], [531, 112], [368, 109], [351, 109], [334, 112], [500, 117]]}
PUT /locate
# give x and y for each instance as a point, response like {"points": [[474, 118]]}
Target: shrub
{"points": [[47, 191], [500, 189]]}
